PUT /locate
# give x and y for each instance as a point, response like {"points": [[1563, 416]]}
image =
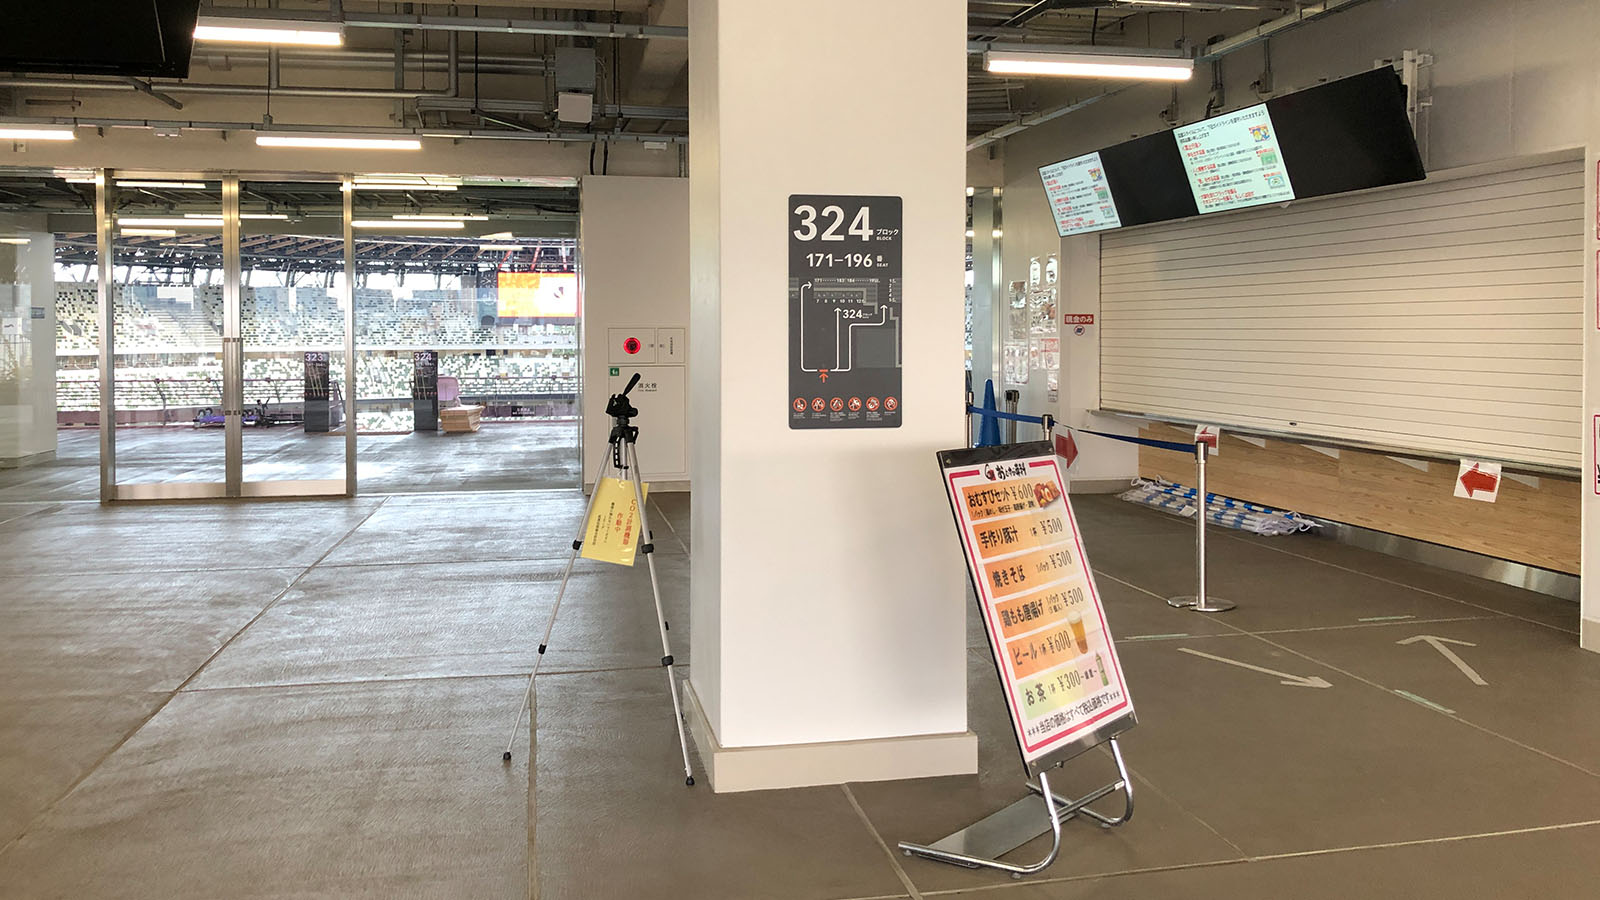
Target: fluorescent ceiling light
{"points": [[462, 217], [14, 240], [34, 133], [391, 223], [268, 31], [337, 142], [83, 181], [172, 221], [175, 185], [148, 232], [510, 248], [1088, 65]]}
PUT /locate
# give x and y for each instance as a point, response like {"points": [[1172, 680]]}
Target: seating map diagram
{"points": [[845, 337]]}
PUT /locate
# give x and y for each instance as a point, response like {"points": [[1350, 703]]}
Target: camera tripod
{"points": [[624, 460]]}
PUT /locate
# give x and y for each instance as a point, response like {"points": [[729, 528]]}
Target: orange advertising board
{"points": [[1047, 628]]}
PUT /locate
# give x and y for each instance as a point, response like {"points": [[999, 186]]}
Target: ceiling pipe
{"points": [[561, 28], [66, 84], [1210, 53], [566, 137]]}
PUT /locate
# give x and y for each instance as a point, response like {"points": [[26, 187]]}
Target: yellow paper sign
{"points": [[612, 532]]}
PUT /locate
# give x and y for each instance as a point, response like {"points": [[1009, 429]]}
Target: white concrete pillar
{"points": [[1589, 478], [828, 594]]}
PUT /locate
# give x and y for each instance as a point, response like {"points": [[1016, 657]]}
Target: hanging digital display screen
{"points": [[1233, 161], [1080, 195], [1346, 135]]}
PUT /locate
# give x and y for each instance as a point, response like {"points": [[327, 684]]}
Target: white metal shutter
{"points": [[1444, 317]]}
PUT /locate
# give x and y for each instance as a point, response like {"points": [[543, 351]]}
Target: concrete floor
{"points": [[308, 699], [502, 456]]}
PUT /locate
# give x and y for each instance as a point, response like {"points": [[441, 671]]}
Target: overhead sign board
{"points": [[1047, 628]]}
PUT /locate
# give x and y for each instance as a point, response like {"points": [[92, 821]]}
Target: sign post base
{"points": [[980, 844]]}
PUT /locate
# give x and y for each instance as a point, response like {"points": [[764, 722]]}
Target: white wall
{"points": [[821, 546], [633, 253], [1509, 79]]}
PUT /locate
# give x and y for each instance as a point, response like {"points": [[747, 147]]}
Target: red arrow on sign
{"points": [[1475, 479], [823, 374]]}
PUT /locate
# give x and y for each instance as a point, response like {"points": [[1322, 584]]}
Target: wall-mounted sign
{"points": [[1047, 629], [844, 311]]}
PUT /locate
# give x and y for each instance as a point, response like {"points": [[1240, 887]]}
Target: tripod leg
{"points": [[649, 550], [572, 557]]}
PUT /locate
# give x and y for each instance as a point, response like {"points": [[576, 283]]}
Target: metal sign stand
{"points": [[1200, 602], [624, 459], [980, 844]]}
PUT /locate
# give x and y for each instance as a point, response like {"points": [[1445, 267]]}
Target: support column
{"points": [[828, 594], [1589, 427]]}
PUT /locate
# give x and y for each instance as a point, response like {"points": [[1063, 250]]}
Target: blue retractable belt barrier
{"points": [[1015, 417], [1148, 442]]}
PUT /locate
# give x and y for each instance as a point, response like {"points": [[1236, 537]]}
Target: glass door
{"points": [[295, 318], [167, 313], [224, 317]]}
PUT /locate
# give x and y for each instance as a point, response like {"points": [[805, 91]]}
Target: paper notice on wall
{"points": [[612, 532], [1478, 480]]}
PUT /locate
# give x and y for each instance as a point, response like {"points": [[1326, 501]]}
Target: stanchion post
{"points": [[1199, 602], [1047, 424], [1011, 424], [971, 438]]}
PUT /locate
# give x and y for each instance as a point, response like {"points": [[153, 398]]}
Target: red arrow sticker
{"points": [[1478, 480]]}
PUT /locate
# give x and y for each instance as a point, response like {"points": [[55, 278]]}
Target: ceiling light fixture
{"points": [[1089, 64], [14, 240], [148, 232], [35, 133], [509, 248], [414, 223], [269, 31], [336, 142]]}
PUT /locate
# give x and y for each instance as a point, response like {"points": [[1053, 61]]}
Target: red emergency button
{"points": [[631, 346]]}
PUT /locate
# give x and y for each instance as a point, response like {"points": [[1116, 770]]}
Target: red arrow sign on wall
{"points": [[1475, 479]]}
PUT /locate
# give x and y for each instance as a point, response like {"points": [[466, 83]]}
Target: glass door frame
{"points": [[233, 485]]}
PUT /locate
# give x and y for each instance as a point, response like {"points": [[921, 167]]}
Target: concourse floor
{"points": [[299, 699], [501, 456]]}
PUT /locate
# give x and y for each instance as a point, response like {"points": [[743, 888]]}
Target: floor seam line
{"points": [[894, 863], [1270, 857], [1387, 690], [1399, 584], [675, 535], [411, 679], [89, 772]]}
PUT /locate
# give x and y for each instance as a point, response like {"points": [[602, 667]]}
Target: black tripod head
{"points": [[618, 406], [623, 430]]}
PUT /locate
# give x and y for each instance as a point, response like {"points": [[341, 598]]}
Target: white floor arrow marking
{"points": [[1292, 680], [1438, 643]]}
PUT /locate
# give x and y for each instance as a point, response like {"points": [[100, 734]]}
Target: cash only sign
{"points": [[1041, 609]]}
